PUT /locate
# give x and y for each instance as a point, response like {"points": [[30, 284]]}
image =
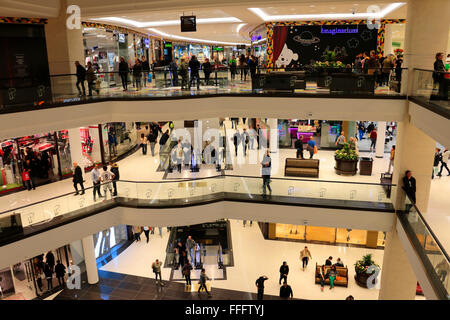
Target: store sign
{"points": [[167, 45], [121, 37], [334, 31], [217, 48]]}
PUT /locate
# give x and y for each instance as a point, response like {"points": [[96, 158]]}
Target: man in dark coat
{"points": [[194, 65], [81, 77], [409, 185], [60, 271], [78, 178]]}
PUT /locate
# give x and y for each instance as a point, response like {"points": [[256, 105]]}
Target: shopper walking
{"points": [[444, 162], [245, 138], [341, 140], [311, 147], [202, 282], [26, 178], [137, 233], [437, 161], [299, 147], [260, 286], [114, 168], [391, 159], [206, 66], [305, 255], [284, 271], [156, 267], [194, 65], [106, 177], [95, 174], [174, 73], [147, 233], [144, 144], [91, 77], [145, 69], [123, 72], [373, 139], [236, 140], [60, 271], [184, 73], [77, 178], [286, 291], [233, 66], [81, 78], [187, 273], [137, 74], [48, 272], [163, 139], [243, 67], [152, 136], [266, 169], [190, 245]]}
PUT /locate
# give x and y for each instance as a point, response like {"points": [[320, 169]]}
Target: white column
{"points": [[427, 26], [89, 259], [76, 153], [64, 46], [414, 151], [273, 125], [381, 137], [388, 39], [398, 281]]}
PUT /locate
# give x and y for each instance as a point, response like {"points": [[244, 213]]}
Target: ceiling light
{"points": [[193, 39], [239, 27], [138, 24], [388, 9]]}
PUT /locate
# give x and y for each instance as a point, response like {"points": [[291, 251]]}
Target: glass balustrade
{"points": [[18, 94]]}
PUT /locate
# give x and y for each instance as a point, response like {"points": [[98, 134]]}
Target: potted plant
{"points": [[361, 268], [346, 160]]}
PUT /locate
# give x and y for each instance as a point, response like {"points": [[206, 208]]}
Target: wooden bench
{"points": [[301, 167], [341, 279]]}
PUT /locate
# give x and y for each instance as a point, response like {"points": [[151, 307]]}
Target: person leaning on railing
{"points": [[409, 186], [439, 76]]}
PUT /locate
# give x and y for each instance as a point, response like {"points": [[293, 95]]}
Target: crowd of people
{"points": [[48, 270]]}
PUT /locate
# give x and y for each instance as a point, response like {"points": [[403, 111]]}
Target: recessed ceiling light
{"points": [[357, 15], [193, 39], [167, 22]]}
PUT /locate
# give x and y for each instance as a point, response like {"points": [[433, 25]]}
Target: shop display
{"points": [[105, 240], [118, 139]]}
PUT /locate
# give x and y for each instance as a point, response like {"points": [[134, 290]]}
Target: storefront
{"points": [[200, 51], [180, 51], [46, 155], [118, 139], [26, 280], [324, 235]]}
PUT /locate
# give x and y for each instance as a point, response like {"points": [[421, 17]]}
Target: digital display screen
{"points": [[188, 23], [121, 37]]}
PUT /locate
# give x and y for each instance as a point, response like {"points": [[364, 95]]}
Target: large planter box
{"points": [[347, 82], [361, 279], [346, 167]]}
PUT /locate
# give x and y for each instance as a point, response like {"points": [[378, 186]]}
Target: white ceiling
{"points": [[145, 11]]}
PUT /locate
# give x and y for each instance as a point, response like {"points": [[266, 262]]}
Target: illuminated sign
{"points": [[334, 31], [255, 38]]}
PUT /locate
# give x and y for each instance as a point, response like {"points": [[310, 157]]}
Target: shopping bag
{"points": [[315, 149], [149, 77]]}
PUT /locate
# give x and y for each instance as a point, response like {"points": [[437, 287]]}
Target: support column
{"points": [[388, 39], [76, 153], [381, 137], [427, 26], [64, 46], [89, 259], [415, 152], [398, 281], [273, 125]]}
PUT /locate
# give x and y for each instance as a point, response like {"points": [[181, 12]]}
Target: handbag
{"points": [[149, 77]]}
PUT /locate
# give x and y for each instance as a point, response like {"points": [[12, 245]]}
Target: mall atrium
{"points": [[174, 150]]}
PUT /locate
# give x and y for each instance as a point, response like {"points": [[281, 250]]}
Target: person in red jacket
{"points": [[373, 138], [26, 179]]}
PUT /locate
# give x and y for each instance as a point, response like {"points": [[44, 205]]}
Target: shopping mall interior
{"points": [[186, 141]]}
